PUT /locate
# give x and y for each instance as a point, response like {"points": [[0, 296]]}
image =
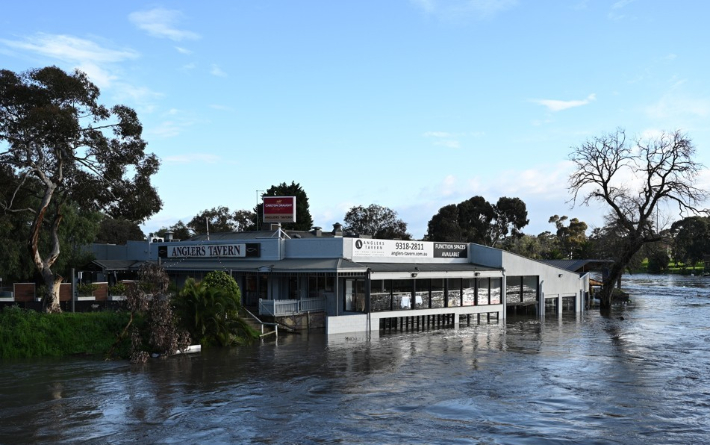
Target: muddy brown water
{"points": [[641, 380]]}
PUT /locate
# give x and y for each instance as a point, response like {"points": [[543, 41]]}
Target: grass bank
{"points": [[26, 333]]}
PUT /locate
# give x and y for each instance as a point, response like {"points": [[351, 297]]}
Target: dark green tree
{"points": [[118, 231], [511, 215], [378, 221], [304, 221], [214, 220], [62, 144], [571, 238], [691, 239], [667, 172], [209, 310], [180, 231], [444, 226]]}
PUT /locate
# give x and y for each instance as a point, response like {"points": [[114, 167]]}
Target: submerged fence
{"points": [[278, 308]]}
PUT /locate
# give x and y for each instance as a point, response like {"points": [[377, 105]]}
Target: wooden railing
{"points": [[279, 308]]}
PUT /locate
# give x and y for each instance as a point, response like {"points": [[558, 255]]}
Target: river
{"points": [[641, 376]]}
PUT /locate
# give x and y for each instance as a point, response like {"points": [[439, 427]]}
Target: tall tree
{"points": [[217, 219], [691, 239], [571, 238], [511, 215], [118, 231], [60, 142], [478, 221], [667, 171], [179, 230], [378, 221], [444, 226], [304, 221]]}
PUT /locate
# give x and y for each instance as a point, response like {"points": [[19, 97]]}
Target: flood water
{"points": [[641, 380]]}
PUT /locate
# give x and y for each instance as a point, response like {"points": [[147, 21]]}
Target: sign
{"points": [[450, 250], [375, 248], [281, 209], [249, 250]]}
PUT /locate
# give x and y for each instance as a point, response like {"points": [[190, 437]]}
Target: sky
{"points": [[408, 104]]}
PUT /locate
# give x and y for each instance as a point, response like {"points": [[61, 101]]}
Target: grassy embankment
{"points": [[674, 268], [26, 333]]}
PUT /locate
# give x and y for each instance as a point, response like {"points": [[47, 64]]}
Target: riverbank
{"points": [[29, 334]]}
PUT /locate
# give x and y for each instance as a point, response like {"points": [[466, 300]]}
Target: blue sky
{"points": [[409, 104]]}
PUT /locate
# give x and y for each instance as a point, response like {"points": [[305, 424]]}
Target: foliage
{"points": [[571, 238], [180, 231], [149, 299], [118, 231], [476, 220], [118, 289], [87, 289], [691, 239], [666, 172], [304, 221], [221, 219], [658, 261], [26, 333], [209, 310], [59, 145], [380, 222]]}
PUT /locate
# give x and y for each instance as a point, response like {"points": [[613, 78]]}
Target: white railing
{"points": [[278, 308]]}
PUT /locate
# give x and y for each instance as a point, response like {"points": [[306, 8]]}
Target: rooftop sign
{"points": [[281, 209]]}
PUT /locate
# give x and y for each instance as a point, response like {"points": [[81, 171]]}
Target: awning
{"points": [[308, 265]]}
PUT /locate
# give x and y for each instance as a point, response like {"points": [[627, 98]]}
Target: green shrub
{"points": [[86, 290], [26, 333]]}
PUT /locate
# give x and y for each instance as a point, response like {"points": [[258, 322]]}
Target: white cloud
{"points": [[70, 49], [221, 107], [182, 50], [462, 9], [160, 22], [217, 71], [678, 106], [559, 105], [86, 55], [193, 157], [443, 139]]}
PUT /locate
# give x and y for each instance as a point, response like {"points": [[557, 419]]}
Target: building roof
{"points": [[117, 265], [427, 267], [578, 265], [307, 265]]}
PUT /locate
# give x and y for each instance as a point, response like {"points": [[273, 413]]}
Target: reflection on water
{"points": [[643, 379]]}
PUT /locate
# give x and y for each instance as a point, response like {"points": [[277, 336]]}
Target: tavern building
{"points": [[354, 284]]}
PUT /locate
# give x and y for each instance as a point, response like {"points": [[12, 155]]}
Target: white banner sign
{"points": [[375, 248]]}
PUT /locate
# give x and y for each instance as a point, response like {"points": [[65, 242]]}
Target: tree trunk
{"points": [[50, 299]]}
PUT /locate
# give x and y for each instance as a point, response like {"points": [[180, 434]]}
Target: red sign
{"points": [[279, 209]]}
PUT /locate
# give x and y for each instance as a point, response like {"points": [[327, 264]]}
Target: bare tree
{"points": [[607, 169]]}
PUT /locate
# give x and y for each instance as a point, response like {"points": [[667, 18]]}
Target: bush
{"points": [[86, 290], [26, 333], [210, 311]]}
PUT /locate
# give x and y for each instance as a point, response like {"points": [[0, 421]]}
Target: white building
{"points": [[358, 284]]}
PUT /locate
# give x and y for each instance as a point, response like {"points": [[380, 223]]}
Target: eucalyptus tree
{"points": [[60, 144], [376, 220]]}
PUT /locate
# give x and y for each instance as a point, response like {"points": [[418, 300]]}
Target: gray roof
{"points": [[261, 234], [578, 265], [315, 265], [111, 265], [427, 267]]}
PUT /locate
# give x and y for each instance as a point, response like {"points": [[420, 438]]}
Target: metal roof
{"points": [[314, 265], [428, 267], [111, 265], [578, 265]]}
